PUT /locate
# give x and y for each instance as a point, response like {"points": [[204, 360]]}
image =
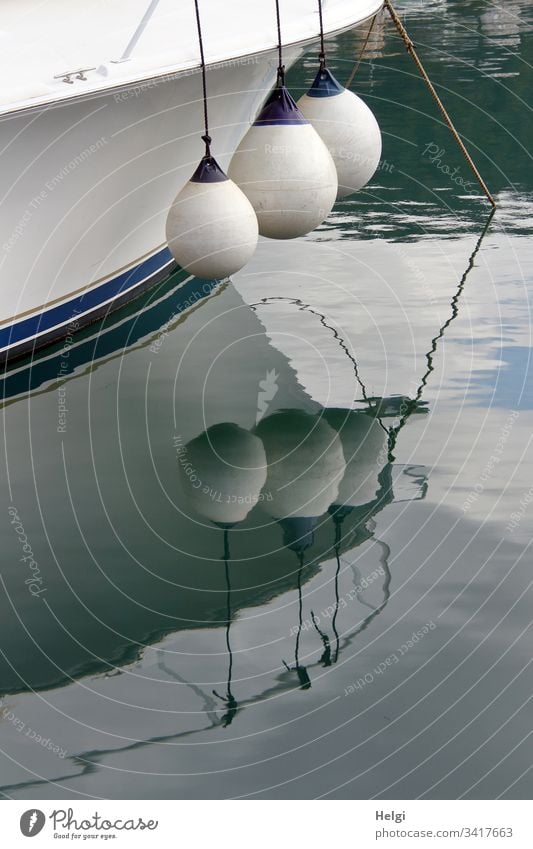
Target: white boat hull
{"points": [[83, 219]]}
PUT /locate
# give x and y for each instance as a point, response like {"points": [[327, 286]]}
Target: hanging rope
{"points": [[228, 609], [349, 81], [229, 700], [301, 671], [322, 54], [206, 137], [411, 405], [414, 56], [281, 66], [338, 541], [325, 658]]}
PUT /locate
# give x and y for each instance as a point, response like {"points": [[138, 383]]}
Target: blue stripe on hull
{"points": [[160, 306], [68, 311]]}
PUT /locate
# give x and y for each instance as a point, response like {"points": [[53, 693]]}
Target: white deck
{"points": [[40, 39]]}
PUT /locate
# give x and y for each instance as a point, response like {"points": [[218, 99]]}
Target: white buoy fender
{"points": [[211, 226], [347, 127], [222, 472], [285, 170]]}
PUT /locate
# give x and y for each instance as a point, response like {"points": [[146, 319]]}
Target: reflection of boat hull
{"points": [[114, 585], [110, 629]]}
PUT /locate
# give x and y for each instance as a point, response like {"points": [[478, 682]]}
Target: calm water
{"points": [[327, 594]]}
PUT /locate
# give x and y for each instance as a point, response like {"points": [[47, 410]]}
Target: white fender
{"points": [[285, 170], [211, 226], [347, 127]]}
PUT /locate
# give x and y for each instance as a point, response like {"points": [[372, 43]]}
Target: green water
{"points": [[178, 636]]}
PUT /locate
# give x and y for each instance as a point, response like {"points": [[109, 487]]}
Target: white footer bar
{"points": [[268, 824]]}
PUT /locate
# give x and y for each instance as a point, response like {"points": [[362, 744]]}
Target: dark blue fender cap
{"points": [[208, 171], [298, 532], [325, 85], [280, 108], [340, 511]]}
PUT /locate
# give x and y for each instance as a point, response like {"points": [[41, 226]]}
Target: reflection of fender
{"points": [[336, 461], [364, 443], [222, 472], [305, 464]]}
